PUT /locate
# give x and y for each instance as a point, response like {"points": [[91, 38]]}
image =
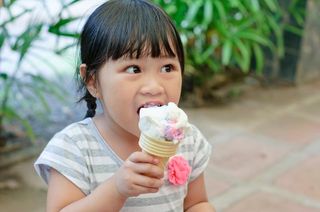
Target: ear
{"points": [[90, 81]]}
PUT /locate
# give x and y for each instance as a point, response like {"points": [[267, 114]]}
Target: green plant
{"points": [[22, 87], [220, 35], [228, 32]]}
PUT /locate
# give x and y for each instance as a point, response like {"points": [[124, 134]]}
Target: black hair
{"points": [[132, 28]]}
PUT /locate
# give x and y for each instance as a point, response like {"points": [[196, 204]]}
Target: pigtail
{"points": [[91, 104]]}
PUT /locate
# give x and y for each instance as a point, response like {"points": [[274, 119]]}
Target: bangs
{"points": [[142, 32], [133, 29]]}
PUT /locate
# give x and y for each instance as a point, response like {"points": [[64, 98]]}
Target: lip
{"points": [[150, 103]]}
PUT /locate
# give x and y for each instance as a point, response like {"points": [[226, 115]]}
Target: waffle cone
{"points": [[163, 150]]}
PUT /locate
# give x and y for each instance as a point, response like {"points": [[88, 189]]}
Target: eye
{"points": [[167, 68], [133, 70]]}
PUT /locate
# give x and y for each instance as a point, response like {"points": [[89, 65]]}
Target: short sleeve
{"points": [[202, 153], [63, 154]]}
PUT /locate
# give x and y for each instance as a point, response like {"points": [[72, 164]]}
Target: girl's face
{"points": [[125, 85]]}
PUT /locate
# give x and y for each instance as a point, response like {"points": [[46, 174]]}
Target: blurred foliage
{"points": [[220, 35], [20, 87]]}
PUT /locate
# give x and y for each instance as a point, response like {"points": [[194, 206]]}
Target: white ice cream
{"points": [[165, 123]]}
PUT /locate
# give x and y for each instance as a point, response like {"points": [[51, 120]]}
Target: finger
{"points": [[143, 157], [137, 190], [148, 182], [148, 169]]}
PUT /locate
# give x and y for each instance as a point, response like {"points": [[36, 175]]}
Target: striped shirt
{"points": [[80, 154]]}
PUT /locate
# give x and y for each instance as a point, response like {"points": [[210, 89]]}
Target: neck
{"points": [[121, 141]]}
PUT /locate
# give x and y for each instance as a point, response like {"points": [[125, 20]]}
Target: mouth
{"points": [[148, 105]]}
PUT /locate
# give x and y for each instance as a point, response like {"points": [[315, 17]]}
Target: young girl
{"points": [[132, 57]]}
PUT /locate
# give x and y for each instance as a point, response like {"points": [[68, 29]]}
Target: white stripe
{"points": [[62, 144], [99, 160], [65, 162]]}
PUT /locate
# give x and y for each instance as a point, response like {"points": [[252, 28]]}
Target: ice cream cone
{"points": [[163, 150]]}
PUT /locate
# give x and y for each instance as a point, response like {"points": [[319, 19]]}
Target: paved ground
{"points": [[265, 158]]}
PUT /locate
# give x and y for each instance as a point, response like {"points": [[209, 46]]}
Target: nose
{"points": [[152, 86]]}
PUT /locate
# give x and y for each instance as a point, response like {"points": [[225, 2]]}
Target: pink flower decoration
{"points": [[178, 170], [172, 133]]}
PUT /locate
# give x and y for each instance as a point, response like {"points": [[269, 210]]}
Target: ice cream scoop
{"points": [[162, 128]]}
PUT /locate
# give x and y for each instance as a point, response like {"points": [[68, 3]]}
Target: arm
{"points": [[63, 195], [139, 174], [196, 199]]}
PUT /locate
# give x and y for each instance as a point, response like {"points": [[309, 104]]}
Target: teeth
{"points": [[151, 105], [147, 105]]}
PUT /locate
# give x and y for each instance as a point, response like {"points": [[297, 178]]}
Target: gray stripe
{"points": [[64, 169], [105, 168], [202, 161], [79, 133], [93, 185], [67, 172], [94, 152], [82, 136], [148, 201], [186, 148], [202, 142], [66, 154]]}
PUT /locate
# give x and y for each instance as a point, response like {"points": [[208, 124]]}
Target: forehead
{"points": [[144, 40]]}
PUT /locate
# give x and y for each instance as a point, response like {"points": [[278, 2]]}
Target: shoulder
{"points": [[71, 151], [196, 137], [78, 133], [195, 132], [197, 150]]}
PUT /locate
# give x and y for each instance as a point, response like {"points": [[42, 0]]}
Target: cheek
{"points": [[118, 101], [174, 90]]}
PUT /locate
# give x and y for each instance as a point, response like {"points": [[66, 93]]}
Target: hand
{"points": [[138, 175]]}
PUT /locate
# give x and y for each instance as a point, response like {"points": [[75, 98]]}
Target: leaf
{"points": [[245, 53], [207, 53], [10, 114], [226, 52], [2, 39], [62, 22], [208, 11], [25, 40], [250, 35], [192, 12], [8, 3], [65, 48], [40, 96], [56, 28], [278, 34], [295, 30], [238, 5], [214, 65], [272, 5], [259, 57], [221, 10], [255, 6], [3, 75], [13, 18], [71, 3], [240, 62], [47, 86]]}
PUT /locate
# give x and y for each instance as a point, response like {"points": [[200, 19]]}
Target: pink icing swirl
{"points": [[178, 170], [172, 133]]}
